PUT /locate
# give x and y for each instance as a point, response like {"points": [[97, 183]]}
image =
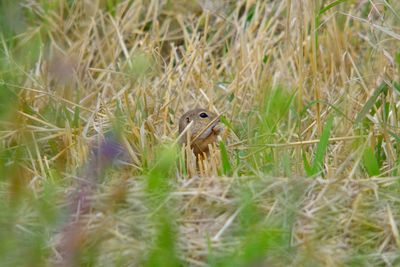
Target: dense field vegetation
{"points": [[307, 174]]}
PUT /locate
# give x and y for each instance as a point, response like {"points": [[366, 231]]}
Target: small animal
{"points": [[204, 127]]}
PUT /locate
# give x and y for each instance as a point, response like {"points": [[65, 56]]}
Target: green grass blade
{"points": [[338, 110], [306, 164], [394, 135], [370, 162], [226, 165], [331, 5], [226, 122], [322, 146], [370, 103], [75, 123]]}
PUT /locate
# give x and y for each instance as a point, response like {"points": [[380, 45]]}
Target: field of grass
{"points": [[92, 174]]}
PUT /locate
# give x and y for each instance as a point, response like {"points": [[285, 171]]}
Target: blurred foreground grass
{"points": [[90, 96]]}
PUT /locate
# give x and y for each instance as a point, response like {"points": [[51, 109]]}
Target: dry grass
{"points": [[308, 173]]}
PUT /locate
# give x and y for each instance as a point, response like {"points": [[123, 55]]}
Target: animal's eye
{"points": [[203, 115], [187, 120]]}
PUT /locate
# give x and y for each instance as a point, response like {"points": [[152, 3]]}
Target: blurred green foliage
{"points": [[265, 241], [162, 250], [322, 147], [271, 115]]}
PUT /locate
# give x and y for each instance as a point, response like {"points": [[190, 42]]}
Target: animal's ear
{"points": [[187, 120]]}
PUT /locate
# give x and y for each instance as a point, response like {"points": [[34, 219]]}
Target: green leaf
{"points": [[307, 166], [226, 122], [370, 162], [226, 165], [322, 146], [265, 59], [397, 58], [394, 135], [77, 110], [370, 103], [397, 85], [75, 123], [331, 5], [250, 13], [337, 109], [111, 6]]}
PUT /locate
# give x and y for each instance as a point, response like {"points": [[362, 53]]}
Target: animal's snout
{"points": [[218, 127]]}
